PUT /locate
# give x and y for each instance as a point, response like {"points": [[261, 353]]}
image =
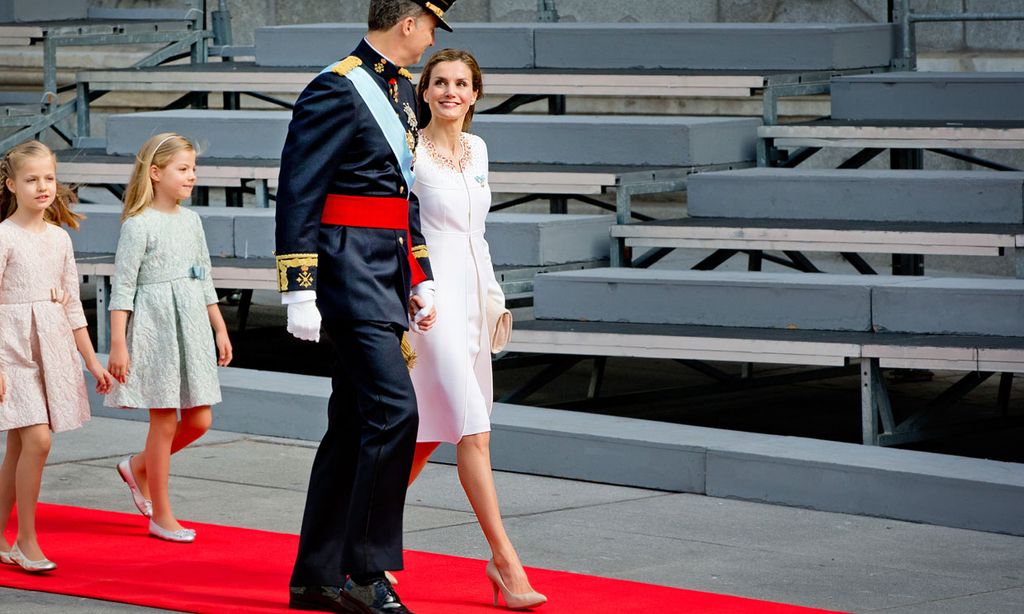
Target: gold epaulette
{"points": [[296, 272], [405, 73], [420, 251], [343, 67]]}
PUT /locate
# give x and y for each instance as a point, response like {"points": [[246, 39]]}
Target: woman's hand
{"points": [[3, 388], [118, 363], [224, 351], [416, 304], [104, 380]]}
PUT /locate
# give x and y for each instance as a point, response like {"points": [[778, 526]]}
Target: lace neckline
{"points": [[444, 161]]}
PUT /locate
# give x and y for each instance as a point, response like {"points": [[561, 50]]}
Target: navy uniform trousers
{"points": [[364, 459]]}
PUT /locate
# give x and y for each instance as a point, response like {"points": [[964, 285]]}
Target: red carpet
{"points": [[108, 555]]}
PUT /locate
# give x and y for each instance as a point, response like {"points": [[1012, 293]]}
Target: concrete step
{"points": [[243, 135], [542, 239], [864, 195], [945, 490], [723, 47], [795, 301], [930, 96], [320, 44], [983, 306], [51, 10], [521, 139], [515, 239], [713, 46]]}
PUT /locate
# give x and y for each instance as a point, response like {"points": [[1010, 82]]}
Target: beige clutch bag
{"points": [[499, 324]]}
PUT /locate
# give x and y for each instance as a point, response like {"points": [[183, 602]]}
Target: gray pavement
{"points": [[798, 556]]}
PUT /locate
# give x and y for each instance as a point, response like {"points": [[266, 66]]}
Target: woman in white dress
{"points": [[452, 373]]}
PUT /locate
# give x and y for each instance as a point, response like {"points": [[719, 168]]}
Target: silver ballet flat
{"points": [[183, 536], [144, 505], [40, 566]]}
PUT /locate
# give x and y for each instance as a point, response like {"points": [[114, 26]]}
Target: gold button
{"points": [[401, 189], [401, 240]]}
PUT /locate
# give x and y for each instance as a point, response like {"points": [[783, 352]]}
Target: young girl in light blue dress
{"points": [[162, 307]]}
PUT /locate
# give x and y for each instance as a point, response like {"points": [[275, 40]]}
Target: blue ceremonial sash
{"points": [[380, 107]]}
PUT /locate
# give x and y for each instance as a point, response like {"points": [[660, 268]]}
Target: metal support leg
{"points": [[597, 377], [910, 159], [262, 193], [620, 254], [82, 109], [754, 258], [874, 402], [244, 303], [559, 204], [102, 314], [50, 72], [1005, 388], [556, 104]]}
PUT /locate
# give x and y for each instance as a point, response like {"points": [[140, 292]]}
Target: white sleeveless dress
{"points": [[452, 376]]}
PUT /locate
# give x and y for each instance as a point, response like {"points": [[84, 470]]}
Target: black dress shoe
{"points": [[320, 598], [377, 597]]}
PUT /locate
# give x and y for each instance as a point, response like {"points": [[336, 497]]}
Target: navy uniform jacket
{"points": [[335, 146]]}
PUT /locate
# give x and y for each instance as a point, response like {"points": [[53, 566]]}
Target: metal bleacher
{"points": [[51, 26], [734, 209], [827, 321]]}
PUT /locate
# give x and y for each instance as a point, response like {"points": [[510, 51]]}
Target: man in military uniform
{"points": [[349, 249]]}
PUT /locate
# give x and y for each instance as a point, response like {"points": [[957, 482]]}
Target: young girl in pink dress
{"points": [[41, 384]]}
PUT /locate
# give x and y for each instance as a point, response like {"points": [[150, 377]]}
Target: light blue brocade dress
{"points": [[163, 277]]}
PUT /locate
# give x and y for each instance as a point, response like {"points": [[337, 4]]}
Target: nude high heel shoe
{"points": [[513, 601], [39, 566]]}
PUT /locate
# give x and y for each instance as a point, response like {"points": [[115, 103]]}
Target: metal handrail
{"points": [[909, 18]]}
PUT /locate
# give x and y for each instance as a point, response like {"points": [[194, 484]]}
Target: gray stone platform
{"points": [[707, 298], [494, 45], [986, 306], [722, 47], [930, 96], [714, 47], [541, 239], [216, 134], [799, 301], [544, 139], [858, 194], [51, 10], [515, 239], [821, 475]]}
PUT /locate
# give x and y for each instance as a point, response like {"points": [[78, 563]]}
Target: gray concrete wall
{"points": [[247, 15]]}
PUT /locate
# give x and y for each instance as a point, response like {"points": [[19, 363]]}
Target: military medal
{"points": [[411, 115], [393, 89]]}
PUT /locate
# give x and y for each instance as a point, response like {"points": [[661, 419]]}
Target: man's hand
{"points": [[421, 306], [304, 320]]}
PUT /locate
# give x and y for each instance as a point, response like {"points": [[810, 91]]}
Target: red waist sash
{"points": [[373, 212]]}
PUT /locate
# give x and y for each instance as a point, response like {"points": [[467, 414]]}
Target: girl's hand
{"points": [[118, 363], [3, 388], [224, 352], [104, 380]]}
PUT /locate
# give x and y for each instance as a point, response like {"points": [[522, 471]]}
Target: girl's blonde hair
{"points": [[59, 212], [157, 151]]}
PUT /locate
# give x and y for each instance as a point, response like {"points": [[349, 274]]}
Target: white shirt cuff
{"points": [[298, 296]]}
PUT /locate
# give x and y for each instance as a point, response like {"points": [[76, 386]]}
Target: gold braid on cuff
{"points": [[304, 276]]}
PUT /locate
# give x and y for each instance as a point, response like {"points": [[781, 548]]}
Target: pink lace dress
{"points": [[38, 357]]}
